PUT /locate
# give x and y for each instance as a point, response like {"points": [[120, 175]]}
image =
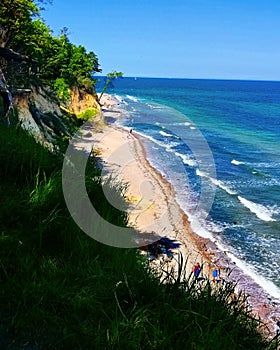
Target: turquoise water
{"points": [[234, 186]]}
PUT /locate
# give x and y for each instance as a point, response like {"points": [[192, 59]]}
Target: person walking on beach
{"points": [[215, 274], [196, 269]]}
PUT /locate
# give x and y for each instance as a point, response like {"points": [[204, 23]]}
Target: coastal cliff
{"points": [[38, 111]]}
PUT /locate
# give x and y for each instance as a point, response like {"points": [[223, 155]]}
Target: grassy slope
{"points": [[62, 290]]}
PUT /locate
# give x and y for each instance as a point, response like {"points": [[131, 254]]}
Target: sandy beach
{"points": [[154, 210]]}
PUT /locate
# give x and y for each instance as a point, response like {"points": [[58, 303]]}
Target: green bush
{"points": [[88, 114]]}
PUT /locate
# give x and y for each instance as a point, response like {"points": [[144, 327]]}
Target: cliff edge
{"points": [[38, 111]]}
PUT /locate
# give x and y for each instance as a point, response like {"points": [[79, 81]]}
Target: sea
{"points": [[218, 143]]}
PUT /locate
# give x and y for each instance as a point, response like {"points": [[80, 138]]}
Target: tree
{"points": [[60, 63], [16, 30], [108, 81], [82, 66], [15, 20]]}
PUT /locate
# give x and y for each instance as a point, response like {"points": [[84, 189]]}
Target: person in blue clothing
{"points": [[215, 274]]}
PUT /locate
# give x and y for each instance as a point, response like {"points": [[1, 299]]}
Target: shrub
{"points": [[88, 114]]}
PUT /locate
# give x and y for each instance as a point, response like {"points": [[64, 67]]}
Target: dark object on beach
{"points": [[162, 246], [171, 243]]}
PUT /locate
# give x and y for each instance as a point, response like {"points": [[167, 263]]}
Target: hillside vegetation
{"points": [[61, 289]]}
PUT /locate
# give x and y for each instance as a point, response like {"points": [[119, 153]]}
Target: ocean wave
{"points": [[266, 284], [120, 99], [167, 146], [166, 134], [183, 124], [262, 212], [236, 162], [216, 227], [189, 124], [250, 168], [186, 159], [152, 139], [216, 182], [132, 98], [152, 106], [163, 133], [258, 173]]}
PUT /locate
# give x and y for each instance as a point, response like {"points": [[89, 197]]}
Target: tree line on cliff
{"points": [[49, 60]]}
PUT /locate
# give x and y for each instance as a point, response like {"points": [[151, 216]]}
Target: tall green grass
{"points": [[61, 289]]}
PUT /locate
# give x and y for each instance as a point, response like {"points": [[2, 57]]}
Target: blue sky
{"points": [[222, 39]]}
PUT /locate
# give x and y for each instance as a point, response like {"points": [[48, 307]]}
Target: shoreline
{"points": [[176, 225]]}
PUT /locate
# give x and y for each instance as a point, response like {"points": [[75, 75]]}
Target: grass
{"points": [[61, 289]]}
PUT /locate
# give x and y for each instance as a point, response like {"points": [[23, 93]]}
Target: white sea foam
{"points": [[200, 230], [120, 99], [150, 138], [207, 232], [167, 146], [267, 285], [163, 133], [132, 98], [236, 162], [216, 182], [260, 210], [154, 106], [170, 145], [186, 159], [181, 124], [192, 127]]}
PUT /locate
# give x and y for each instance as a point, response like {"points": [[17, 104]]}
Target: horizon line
{"points": [[184, 78]]}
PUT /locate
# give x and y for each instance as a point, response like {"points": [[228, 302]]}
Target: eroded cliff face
{"points": [[42, 115], [81, 101]]}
